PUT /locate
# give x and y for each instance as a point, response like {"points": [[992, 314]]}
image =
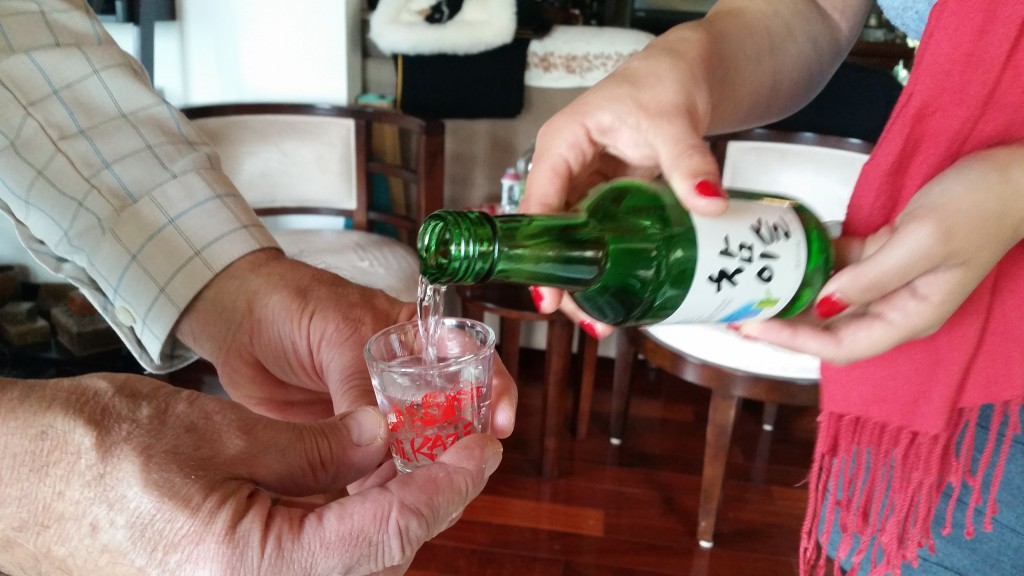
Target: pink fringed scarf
{"points": [[905, 409]]}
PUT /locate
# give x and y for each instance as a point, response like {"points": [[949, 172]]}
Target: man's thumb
{"points": [[298, 459]]}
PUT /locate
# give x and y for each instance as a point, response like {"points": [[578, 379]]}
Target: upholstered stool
{"points": [[513, 305]]}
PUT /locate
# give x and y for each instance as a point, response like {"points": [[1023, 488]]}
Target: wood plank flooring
{"points": [[632, 509]]}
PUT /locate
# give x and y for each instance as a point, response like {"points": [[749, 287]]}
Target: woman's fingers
{"points": [[564, 153], [690, 169], [547, 300], [592, 327], [878, 265], [897, 285], [848, 339]]}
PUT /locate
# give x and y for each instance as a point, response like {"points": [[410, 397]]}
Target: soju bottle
{"points": [[630, 254]]}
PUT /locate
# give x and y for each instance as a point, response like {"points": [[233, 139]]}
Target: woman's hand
{"points": [[287, 339], [906, 280], [743, 65], [646, 119], [616, 129], [119, 475]]}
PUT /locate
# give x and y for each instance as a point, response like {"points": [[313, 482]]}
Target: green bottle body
{"points": [[630, 254]]}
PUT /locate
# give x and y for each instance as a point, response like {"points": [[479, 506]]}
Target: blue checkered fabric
{"points": [[109, 186]]}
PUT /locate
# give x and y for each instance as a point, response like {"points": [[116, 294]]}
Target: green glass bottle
{"points": [[630, 254]]}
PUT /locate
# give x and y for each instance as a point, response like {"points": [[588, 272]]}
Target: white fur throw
{"points": [[399, 27]]}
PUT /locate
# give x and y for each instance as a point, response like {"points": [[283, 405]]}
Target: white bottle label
{"points": [[750, 263]]}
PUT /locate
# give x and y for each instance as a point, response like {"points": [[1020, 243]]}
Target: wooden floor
{"points": [[632, 509]]}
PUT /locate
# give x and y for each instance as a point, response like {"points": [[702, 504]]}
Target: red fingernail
{"points": [[708, 189], [538, 298], [737, 328], [830, 305], [590, 329]]}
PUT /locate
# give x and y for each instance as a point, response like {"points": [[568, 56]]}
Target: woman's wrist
{"points": [[997, 176]]}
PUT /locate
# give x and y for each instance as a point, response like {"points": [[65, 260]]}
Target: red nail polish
{"points": [[538, 298], [590, 329], [708, 189], [737, 329], [830, 305]]}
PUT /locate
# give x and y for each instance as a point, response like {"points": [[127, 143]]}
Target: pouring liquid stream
{"points": [[429, 311]]}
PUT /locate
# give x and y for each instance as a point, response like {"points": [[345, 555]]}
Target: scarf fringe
{"points": [[882, 485]]}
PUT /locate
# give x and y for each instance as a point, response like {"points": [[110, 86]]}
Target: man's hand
{"points": [[287, 339], [119, 474]]}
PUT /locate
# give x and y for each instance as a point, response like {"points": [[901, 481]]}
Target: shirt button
{"points": [[124, 316]]}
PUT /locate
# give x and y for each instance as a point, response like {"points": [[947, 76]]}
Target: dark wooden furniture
{"points": [[513, 305], [884, 55], [52, 360], [303, 160], [728, 387], [728, 384], [343, 188], [387, 143]]}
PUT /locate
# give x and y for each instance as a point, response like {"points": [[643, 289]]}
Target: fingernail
{"points": [[740, 329], [365, 426], [493, 460], [538, 298], [590, 329], [708, 189], [830, 305]]}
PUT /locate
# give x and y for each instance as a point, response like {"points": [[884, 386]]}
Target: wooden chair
{"points": [[821, 172], [344, 188]]}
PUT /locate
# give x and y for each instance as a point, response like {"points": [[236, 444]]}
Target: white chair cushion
{"points": [[287, 160], [362, 257], [717, 344], [821, 178]]}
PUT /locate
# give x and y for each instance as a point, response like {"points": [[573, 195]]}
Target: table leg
{"points": [[589, 346], [556, 373], [721, 416], [625, 355], [510, 336]]}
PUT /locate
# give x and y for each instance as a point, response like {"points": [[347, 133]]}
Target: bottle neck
{"points": [[562, 251]]}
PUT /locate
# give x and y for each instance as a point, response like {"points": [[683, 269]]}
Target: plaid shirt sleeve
{"points": [[109, 186]]}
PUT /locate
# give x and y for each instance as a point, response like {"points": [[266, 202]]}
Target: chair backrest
{"points": [[371, 165], [818, 170]]}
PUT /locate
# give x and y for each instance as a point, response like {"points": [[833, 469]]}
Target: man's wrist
{"points": [[218, 309], [38, 431]]}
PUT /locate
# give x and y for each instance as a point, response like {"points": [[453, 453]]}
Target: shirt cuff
{"points": [[160, 252]]}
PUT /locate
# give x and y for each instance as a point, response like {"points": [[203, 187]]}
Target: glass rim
{"points": [[486, 348]]}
